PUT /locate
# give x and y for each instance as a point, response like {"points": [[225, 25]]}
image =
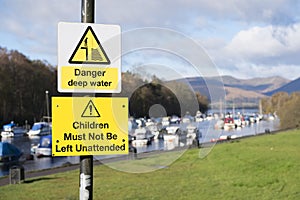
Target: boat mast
{"points": [[260, 107]]}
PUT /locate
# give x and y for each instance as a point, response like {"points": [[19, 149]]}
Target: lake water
{"points": [[206, 127]]}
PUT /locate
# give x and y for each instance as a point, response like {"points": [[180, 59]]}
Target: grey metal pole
{"points": [[47, 104], [86, 178], [86, 162], [88, 11]]}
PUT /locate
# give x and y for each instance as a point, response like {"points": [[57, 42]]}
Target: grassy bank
{"points": [[264, 167]]}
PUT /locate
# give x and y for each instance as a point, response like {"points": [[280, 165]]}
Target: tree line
{"points": [[170, 98], [286, 107], [24, 82]]}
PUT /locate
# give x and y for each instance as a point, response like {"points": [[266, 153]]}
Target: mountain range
{"points": [[242, 91], [290, 87]]}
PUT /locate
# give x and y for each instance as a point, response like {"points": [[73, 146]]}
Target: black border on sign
{"points": [[78, 45]]}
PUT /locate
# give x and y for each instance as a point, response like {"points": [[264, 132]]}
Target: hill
{"points": [[237, 93], [260, 85], [290, 87], [236, 90]]}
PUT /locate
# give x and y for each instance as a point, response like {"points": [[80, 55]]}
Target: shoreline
{"points": [[4, 180]]}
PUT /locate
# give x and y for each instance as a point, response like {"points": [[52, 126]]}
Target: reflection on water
{"points": [[206, 127]]}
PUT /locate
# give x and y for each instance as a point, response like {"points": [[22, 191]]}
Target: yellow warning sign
{"points": [[89, 50], [90, 110], [89, 58], [91, 78], [89, 126]]}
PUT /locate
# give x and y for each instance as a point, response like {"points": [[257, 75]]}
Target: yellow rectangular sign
{"points": [[90, 78], [89, 126]]}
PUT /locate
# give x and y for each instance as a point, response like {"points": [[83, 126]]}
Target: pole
{"points": [[88, 11], [47, 104], [86, 178], [86, 162]]}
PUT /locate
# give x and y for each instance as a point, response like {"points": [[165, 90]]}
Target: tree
{"points": [[22, 87], [176, 99], [289, 113], [274, 103], [151, 94], [286, 107]]}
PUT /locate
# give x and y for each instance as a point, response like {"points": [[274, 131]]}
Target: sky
{"points": [[242, 38]]}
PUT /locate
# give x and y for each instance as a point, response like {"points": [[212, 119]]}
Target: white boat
{"points": [[172, 133], [44, 147], [149, 122], [192, 132], [229, 123], [165, 121], [138, 143], [209, 117], [140, 122], [219, 124], [175, 120], [237, 121], [198, 116], [270, 118], [187, 119], [193, 135], [40, 128], [11, 130], [142, 136], [232, 137], [154, 130], [223, 137]]}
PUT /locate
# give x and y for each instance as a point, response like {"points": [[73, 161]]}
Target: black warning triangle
{"points": [[89, 50], [90, 110]]}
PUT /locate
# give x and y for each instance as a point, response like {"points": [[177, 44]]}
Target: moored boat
{"points": [[175, 119], [229, 123], [12, 130], [193, 132], [40, 128], [199, 117], [165, 121], [9, 153], [172, 133], [44, 147], [142, 136]]}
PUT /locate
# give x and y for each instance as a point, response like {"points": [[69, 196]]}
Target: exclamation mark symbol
{"points": [[91, 110]]}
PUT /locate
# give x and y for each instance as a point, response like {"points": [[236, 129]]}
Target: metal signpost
{"points": [[89, 61], [86, 162]]}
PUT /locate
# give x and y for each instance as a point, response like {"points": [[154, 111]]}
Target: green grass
{"points": [[264, 167]]}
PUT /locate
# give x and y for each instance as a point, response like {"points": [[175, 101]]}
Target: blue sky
{"points": [[245, 39]]}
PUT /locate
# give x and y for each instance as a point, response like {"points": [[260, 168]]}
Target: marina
{"points": [[175, 135]]}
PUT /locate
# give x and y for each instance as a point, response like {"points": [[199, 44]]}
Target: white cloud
{"points": [[31, 25], [268, 42], [248, 70], [262, 51], [267, 11]]}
